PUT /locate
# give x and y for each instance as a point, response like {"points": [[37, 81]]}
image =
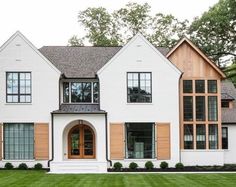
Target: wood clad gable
{"points": [[192, 61]]}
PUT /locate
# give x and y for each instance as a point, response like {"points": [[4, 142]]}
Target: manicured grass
{"points": [[42, 179]]}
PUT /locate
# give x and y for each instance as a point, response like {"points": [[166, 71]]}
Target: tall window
{"points": [[140, 141], [139, 88], [200, 86], [187, 86], [224, 137], [80, 92], [18, 87], [213, 136], [212, 86], [200, 108], [200, 136], [18, 141], [212, 108], [188, 108], [188, 136]]}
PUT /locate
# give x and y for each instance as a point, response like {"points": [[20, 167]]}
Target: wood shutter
{"points": [[163, 141], [1, 141], [116, 141], [41, 141]]}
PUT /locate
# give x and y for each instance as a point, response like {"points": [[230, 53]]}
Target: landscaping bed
{"points": [[179, 167]]}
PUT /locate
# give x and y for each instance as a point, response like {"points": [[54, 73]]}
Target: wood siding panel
{"points": [[117, 141], [163, 141], [41, 144], [1, 141]]}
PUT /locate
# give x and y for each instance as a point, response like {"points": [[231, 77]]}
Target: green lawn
{"points": [[41, 178]]}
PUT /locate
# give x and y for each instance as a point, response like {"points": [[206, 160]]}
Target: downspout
{"points": [[52, 128], [106, 127], [180, 112], [52, 122]]}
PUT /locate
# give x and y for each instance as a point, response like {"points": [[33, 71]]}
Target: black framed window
{"points": [[187, 86], [81, 92], [188, 108], [139, 87], [213, 136], [199, 86], [95, 92], [18, 86], [212, 108], [212, 86], [18, 141], [66, 92], [188, 136], [200, 108], [225, 104], [224, 137], [201, 136], [140, 141]]}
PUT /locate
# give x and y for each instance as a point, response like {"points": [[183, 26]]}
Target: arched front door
{"points": [[81, 142]]}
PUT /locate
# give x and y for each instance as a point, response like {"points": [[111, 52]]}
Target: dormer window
{"points": [[80, 92]]}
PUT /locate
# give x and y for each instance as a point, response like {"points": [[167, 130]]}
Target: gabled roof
{"points": [[18, 33], [81, 62], [212, 64]]}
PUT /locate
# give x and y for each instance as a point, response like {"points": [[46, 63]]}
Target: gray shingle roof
{"points": [[228, 115], [79, 108], [81, 62], [228, 91]]}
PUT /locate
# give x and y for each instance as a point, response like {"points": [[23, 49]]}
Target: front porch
{"points": [[79, 142]]}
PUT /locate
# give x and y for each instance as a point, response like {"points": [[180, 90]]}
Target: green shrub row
{"points": [[23, 166], [148, 165]]}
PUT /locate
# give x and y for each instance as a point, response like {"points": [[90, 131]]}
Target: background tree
{"points": [[133, 18], [75, 41], [99, 26], [215, 31], [167, 30]]}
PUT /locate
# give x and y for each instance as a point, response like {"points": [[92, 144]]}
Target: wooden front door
{"points": [[81, 142]]}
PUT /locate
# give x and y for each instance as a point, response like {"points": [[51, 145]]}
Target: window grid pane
{"points": [[212, 86], [200, 108], [212, 108], [188, 136], [187, 86], [188, 108], [200, 86], [213, 136], [18, 141], [201, 136], [224, 137]]}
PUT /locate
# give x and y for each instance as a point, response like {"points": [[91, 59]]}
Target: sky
{"points": [[53, 22]]}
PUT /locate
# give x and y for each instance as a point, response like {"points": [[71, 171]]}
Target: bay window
{"points": [[80, 92]]}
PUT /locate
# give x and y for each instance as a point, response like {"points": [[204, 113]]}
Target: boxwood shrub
{"points": [[117, 166], [133, 165], [149, 165], [164, 165], [8, 165]]}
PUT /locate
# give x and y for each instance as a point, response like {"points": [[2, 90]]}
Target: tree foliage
{"points": [[167, 30], [75, 41], [116, 28], [215, 31]]}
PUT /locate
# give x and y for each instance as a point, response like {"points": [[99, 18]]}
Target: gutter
{"points": [[52, 128]]}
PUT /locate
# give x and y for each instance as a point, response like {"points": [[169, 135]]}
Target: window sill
{"points": [[4, 160], [139, 103], [140, 159], [18, 103], [202, 150]]}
